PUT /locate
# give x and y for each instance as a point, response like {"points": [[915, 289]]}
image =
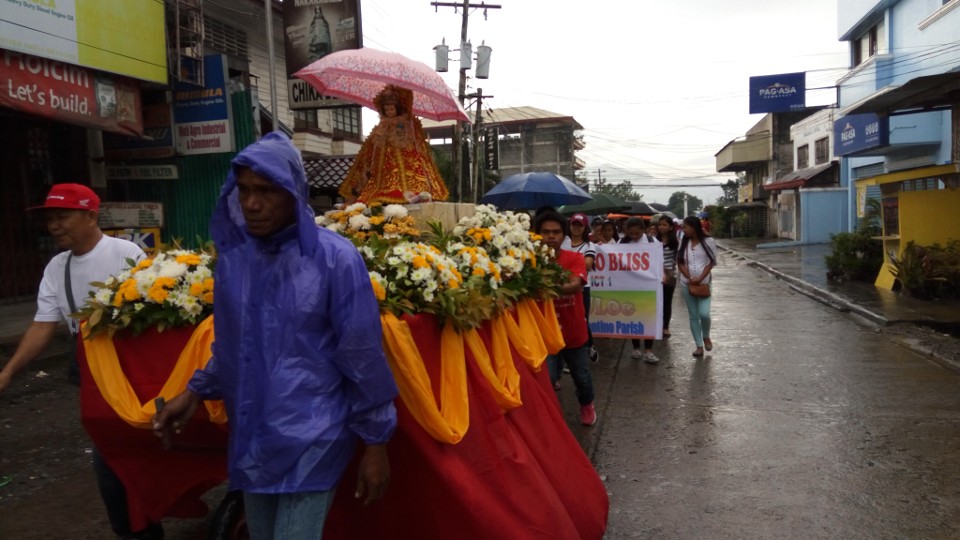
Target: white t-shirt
{"points": [[587, 249], [697, 259], [107, 258]]}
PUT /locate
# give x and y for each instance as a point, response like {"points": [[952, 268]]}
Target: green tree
{"points": [[694, 203], [624, 190], [731, 190]]}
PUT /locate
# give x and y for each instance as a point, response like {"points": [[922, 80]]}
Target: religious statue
{"points": [[394, 164]]}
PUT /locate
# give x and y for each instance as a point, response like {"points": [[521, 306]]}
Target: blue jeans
{"points": [[699, 311], [287, 516], [577, 360]]}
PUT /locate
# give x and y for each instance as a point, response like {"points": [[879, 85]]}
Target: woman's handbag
{"points": [[700, 290]]}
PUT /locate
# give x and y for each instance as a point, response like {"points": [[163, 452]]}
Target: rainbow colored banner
{"points": [[626, 299]]}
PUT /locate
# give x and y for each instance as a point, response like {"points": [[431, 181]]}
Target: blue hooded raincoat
{"points": [[298, 358]]}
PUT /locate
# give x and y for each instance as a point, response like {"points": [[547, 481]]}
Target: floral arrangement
{"points": [[467, 275], [174, 288]]}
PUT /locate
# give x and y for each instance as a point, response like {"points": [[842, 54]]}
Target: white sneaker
{"points": [[650, 358], [637, 354], [594, 355]]}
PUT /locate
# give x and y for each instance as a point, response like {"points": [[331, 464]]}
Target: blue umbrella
{"points": [[533, 190]]}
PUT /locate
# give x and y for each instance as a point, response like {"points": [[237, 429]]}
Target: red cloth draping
{"points": [[159, 482], [519, 474]]}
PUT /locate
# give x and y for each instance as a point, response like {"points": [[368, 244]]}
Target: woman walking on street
{"points": [[670, 246], [695, 260]]}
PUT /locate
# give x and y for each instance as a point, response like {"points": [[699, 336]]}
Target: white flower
{"points": [[392, 211], [421, 275], [360, 222], [355, 207], [367, 252], [335, 227], [171, 268], [104, 296]]}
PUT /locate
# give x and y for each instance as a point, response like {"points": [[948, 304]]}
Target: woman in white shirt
{"points": [[695, 260]]}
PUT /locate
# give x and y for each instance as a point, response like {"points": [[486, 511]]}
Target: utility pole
{"points": [[462, 88], [475, 176]]}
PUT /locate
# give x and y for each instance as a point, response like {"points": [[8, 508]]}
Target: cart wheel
{"points": [[229, 521]]}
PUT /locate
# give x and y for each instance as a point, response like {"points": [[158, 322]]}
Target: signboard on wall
{"points": [[778, 93], [124, 215], [142, 172], [202, 116], [157, 140], [857, 132], [313, 29], [147, 238], [126, 40], [69, 93]]}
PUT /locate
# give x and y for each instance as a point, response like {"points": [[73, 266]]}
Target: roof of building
{"points": [[509, 115], [327, 172]]}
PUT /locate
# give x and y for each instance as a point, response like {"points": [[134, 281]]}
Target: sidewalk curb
{"points": [[843, 305], [823, 296]]}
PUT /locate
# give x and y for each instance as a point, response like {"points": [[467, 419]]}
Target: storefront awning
{"points": [[799, 178], [911, 174], [327, 172], [918, 93]]}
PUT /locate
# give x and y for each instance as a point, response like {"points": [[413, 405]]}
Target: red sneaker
{"points": [[588, 416]]}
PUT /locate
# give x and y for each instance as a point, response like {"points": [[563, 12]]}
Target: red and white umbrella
{"points": [[358, 75]]}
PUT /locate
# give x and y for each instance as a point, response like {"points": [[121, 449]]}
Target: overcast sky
{"points": [[659, 86]]}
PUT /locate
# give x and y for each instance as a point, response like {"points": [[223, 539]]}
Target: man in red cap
{"points": [[70, 212]]}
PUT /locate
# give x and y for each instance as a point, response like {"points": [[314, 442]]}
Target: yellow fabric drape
{"points": [[529, 352], [497, 368], [550, 328], [449, 422], [117, 392], [527, 319]]}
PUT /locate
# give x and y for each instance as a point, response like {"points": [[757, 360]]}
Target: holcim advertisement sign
{"points": [[312, 30], [202, 115], [69, 93], [778, 93], [856, 132]]}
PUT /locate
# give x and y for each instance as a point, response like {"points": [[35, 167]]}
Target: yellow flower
{"points": [[420, 262], [189, 259], [376, 220], [207, 298], [479, 272], [159, 290], [452, 284], [127, 292], [196, 289]]}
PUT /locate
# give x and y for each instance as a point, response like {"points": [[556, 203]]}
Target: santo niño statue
{"points": [[394, 164]]}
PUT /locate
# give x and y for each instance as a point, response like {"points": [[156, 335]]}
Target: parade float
{"points": [[481, 449]]}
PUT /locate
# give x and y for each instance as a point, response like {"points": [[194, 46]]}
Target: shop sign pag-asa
{"points": [[202, 115], [69, 93]]}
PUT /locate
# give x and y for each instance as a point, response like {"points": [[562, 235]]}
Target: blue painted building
{"points": [[897, 128]]}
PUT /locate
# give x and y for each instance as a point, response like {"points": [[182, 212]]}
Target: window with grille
{"points": [[225, 38], [803, 156], [822, 150], [346, 122]]}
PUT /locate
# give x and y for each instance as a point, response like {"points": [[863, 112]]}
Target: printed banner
{"points": [[626, 299], [126, 38], [122, 215], [312, 30], [69, 93], [856, 132], [202, 115]]}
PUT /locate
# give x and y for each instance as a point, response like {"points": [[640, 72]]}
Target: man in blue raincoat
{"points": [[298, 359]]}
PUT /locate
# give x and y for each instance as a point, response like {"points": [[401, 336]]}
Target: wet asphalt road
{"points": [[802, 423]]}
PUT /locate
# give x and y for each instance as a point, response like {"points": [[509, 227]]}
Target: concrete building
{"points": [[897, 129], [520, 139], [809, 204], [765, 155]]}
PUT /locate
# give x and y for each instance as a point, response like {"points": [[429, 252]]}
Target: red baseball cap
{"points": [[580, 218], [72, 197]]}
